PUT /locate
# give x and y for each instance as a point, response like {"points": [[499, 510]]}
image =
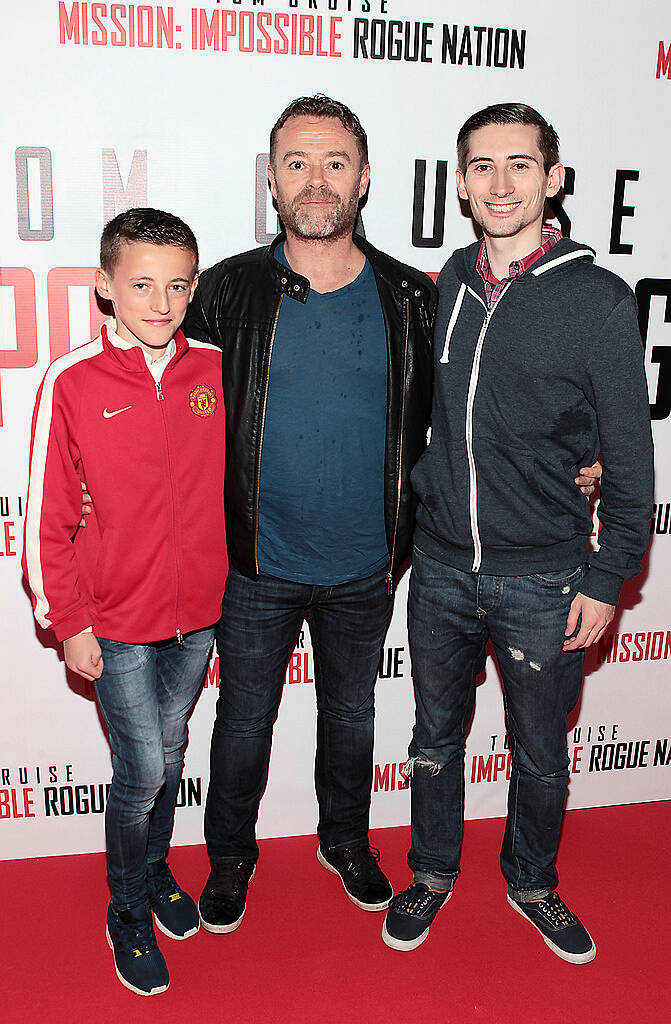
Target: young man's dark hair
{"points": [[320, 105], [144, 224], [510, 113]]}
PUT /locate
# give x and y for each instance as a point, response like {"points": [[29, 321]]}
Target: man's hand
{"points": [[589, 478], [83, 655], [86, 504], [596, 616]]}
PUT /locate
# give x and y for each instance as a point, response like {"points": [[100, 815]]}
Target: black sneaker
{"points": [[175, 912], [223, 901], [360, 874], [138, 960], [560, 928], [410, 915]]}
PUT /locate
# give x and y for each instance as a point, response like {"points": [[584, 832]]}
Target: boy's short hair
{"points": [[510, 113], [144, 224], [319, 106]]}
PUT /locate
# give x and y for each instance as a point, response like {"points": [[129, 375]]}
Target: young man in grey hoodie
{"points": [[538, 368]]}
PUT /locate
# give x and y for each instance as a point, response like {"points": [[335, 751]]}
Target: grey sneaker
{"points": [[562, 931]]}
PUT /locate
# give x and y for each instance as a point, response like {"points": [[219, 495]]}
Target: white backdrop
{"points": [[112, 105]]}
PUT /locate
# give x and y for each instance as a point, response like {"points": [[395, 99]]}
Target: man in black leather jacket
{"points": [[327, 381]]}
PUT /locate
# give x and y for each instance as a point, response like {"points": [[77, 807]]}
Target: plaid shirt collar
{"points": [[494, 287]]}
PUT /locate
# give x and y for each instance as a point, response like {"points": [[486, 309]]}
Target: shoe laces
{"points": [[553, 908], [161, 880], [136, 937], [362, 861], [416, 899], [229, 879]]}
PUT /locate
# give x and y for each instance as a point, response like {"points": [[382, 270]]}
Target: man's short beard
{"points": [[337, 223]]}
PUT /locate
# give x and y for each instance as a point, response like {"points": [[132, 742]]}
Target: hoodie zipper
{"points": [[263, 423], [470, 401], [472, 388], [390, 574]]}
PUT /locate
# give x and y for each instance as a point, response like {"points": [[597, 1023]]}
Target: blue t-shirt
{"points": [[321, 505]]}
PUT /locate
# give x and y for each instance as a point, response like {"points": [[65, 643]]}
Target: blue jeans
{"points": [[145, 694], [255, 637], [451, 615]]}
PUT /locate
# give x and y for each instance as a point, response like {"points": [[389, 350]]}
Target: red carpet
{"points": [[304, 953]]}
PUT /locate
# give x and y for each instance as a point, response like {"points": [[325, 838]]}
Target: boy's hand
{"points": [[86, 504], [83, 655], [596, 616], [588, 479]]}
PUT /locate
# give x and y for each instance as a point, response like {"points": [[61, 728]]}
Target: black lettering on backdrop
{"points": [[645, 289], [620, 211], [557, 206], [435, 240]]}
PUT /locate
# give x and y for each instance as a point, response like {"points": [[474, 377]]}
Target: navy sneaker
{"points": [[561, 929], [223, 901], [360, 873], [138, 961], [410, 915], [175, 912]]}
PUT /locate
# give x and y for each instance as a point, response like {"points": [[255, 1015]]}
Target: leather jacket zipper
{"points": [[390, 575], [263, 423]]}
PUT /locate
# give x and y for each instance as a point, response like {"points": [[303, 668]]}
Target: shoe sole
{"points": [[174, 935], [138, 991], [225, 929], [406, 945], [571, 958], [370, 907]]}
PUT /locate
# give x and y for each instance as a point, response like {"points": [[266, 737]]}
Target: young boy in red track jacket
{"points": [[139, 415]]}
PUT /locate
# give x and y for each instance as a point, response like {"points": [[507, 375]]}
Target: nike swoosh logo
{"points": [[108, 415]]}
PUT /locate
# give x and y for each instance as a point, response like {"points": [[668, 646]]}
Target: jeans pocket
{"points": [[560, 577]]}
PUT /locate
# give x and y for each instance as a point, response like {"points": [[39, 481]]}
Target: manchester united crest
{"points": [[203, 400]]}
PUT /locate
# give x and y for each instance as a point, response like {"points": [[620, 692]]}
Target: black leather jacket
{"points": [[236, 307]]}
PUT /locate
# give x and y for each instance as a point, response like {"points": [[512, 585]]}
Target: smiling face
{"points": [[150, 288], [317, 178], [506, 184]]}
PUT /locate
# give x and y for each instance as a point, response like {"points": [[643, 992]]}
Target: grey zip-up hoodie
{"points": [[524, 395]]}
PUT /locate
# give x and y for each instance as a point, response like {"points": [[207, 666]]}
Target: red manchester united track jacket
{"points": [[151, 562]]}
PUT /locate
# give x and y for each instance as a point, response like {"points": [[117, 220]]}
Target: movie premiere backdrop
{"points": [[112, 105]]}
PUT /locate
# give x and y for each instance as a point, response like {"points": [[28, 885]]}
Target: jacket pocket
{"points": [[561, 578], [525, 501], [103, 570]]}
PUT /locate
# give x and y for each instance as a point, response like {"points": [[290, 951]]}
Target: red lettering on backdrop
{"points": [[499, 765], [333, 35], [10, 538], [14, 810], [212, 677], [663, 60], [59, 279], [22, 280]]}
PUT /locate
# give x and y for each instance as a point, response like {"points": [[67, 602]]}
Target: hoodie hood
{"points": [[562, 254]]}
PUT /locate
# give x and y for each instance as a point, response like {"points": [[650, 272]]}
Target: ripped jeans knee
{"points": [[408, 769]]}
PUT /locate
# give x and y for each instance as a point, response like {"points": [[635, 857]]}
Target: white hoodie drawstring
{"points": [[445, 358]]}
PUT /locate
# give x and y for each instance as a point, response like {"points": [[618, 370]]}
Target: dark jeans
{"points": [[255, 637], [145, 694], [451, 615]]}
